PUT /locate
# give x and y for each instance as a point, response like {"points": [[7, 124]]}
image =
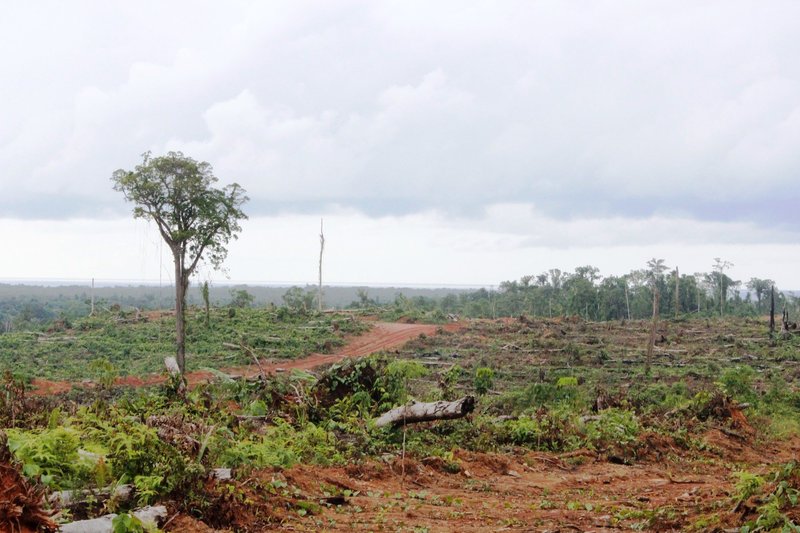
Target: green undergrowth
{"points": [[101, 346]]}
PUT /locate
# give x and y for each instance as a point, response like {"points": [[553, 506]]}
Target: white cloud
{"points": [[514, 127]]}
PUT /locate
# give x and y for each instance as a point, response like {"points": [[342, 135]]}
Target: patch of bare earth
{"points": [[525, 491]]}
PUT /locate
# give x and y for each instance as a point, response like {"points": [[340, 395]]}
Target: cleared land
{"points": [[573, 432]]}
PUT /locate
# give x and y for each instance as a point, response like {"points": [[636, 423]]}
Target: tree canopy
{"points": [[192, 215]]}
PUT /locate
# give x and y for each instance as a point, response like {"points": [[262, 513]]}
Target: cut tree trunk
{"points": [[425, 412], [175, 373]]}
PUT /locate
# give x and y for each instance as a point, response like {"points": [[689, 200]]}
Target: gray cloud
{"points": [[587, 111]]}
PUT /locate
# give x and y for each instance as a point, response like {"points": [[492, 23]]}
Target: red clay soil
{"points": [[531, 491], [382, 336]]}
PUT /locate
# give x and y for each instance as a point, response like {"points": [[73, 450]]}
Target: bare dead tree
{"points": [[657, 268], [627, 300], [772, 311], [720, 266], [653, 327], [321, 249], [677, 292], [785, 328]]}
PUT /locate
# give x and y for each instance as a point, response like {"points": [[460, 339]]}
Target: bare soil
{"points": [[526, 491]]}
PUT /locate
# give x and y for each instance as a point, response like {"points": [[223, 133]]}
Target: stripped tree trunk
{"points": [[677, 292], [652, 341], [627, 301], [321, 249], [772, 311], [424, 412]]}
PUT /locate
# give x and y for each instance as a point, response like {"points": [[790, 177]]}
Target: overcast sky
{"points": [[443, 142]]}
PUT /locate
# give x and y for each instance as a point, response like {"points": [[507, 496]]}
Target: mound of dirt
{"points": [[656, 446], [187, 524]]}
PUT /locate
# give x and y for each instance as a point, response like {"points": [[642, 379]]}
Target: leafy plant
{"points": [[484, 380], [126, 523], [737, 382], [614, 431], [51, 454]]}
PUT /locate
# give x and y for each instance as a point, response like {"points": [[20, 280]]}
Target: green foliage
{"points": [[396, 377], [240, 298], [747, 484], [484, 380], [299, 300], [139, 347], [178, 193], [147, 488], [737, 382], [448, 382], [554, 430], [783, 497], [127, 523], [566, 382], [104, 372], [614, 431], [284, 446], [53, 455]]}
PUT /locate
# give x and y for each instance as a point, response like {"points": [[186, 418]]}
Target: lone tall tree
{"points": [[195, 219]]}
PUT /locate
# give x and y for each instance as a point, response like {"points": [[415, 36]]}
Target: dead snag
{"points": [[772, 311]]}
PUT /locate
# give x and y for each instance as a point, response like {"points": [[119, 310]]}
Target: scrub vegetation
{"points": [[570, 426]]}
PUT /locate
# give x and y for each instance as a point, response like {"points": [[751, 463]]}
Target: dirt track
{"points": [[382, 336]]}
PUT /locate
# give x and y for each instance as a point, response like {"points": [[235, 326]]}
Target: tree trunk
{"points": [[785, 328], [627, 301], [677, 292], [772, 311], [321, 249], [424, 412], [180, 311], [653, 327]]}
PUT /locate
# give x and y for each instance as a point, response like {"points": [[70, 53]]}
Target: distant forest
{"points": [[583, 292]]}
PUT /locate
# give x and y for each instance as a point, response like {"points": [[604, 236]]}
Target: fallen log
{"points": [[66, 498], [425, 412], [149, 516]]}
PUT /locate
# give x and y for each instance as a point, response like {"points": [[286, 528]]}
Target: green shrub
{"points": [[284, 446], [484, 380], [614, 431], [395, 379], [53, 455], [554, 430], [737, 382]]}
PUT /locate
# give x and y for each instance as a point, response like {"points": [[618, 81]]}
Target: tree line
{"points": [[586, 293]]}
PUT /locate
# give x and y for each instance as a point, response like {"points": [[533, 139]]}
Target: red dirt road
{"points": [[382, 336]]}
